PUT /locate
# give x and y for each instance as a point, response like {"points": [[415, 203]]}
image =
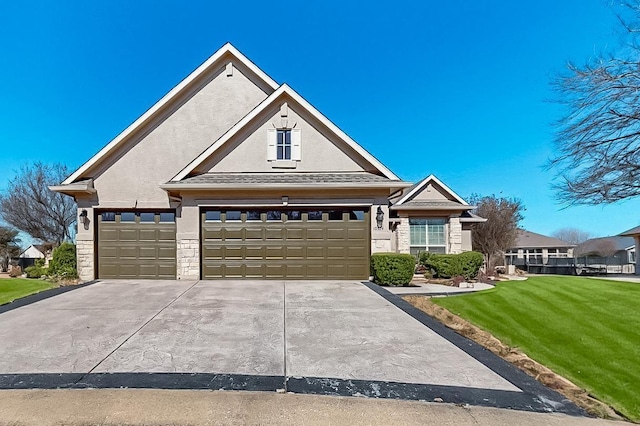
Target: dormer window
{"points": [[283, 144]]}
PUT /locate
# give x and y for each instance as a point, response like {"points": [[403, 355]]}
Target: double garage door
{"points": [[236, 244], [286, 243]]}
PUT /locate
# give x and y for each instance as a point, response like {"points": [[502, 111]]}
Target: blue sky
{"points": [[459, 89]]}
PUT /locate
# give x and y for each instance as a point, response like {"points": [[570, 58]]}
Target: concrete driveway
{"points": [[333, 337]]}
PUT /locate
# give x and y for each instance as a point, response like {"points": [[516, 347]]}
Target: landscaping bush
{"points": [[465, 264], [64, 263], [392, 268], [35, 271], [471, 262]]}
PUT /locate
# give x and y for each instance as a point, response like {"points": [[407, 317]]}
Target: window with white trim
{"points": [[284, 145], [427, 235]]}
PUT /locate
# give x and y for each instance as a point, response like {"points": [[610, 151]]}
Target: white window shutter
{"points": [[296, 150], [272, 136]]}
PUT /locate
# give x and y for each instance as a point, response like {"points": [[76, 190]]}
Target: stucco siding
{"points": [[466, 240], [432, 192], [157, 154], [248, 151]]}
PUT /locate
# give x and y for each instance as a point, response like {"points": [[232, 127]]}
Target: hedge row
{"points": [[465, 264]]}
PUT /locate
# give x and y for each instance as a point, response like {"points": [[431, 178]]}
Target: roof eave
{"points": [[413, 208], [260, 186], [84, 187]]}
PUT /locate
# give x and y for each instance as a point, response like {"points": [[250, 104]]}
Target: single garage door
{"points": [[292, 244], [137, 244]]}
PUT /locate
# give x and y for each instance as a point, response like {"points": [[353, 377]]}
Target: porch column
{"points": [[85, 243], [403, 235], [188, 242], [455, 236]]}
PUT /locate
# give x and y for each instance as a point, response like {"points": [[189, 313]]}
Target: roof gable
{"points": [[225, 53], [442, 192], [284, 92]]}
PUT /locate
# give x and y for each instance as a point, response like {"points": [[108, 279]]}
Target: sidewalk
{"points": [[438, 289], [183, 407]]}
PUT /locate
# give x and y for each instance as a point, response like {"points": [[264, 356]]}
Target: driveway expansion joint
{"points": [[142, 326]]}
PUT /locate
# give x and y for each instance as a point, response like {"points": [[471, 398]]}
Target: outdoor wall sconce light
{"points": [[379, 217], [84, 217]]}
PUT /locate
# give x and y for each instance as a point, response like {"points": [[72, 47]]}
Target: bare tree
{"points": [[31, 207], [602, 247], [571, 235], [9, 246], [598, 138], [500, 231]]}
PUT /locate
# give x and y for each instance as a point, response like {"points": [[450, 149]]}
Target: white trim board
{"points": [[168, 98], [284, 89], [421, 185]]}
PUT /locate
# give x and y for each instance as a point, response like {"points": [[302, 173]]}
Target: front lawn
{"points": [[585, 329], [15, 288]]}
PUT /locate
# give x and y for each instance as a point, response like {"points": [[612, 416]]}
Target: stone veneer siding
{"points": [[85, 256], [188, 261], [455, 236], [402, 232]]}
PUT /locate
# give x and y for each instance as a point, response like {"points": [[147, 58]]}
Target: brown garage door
{"points": [[137, 244], [292, 244]]}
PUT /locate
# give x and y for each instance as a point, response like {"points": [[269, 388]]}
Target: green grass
{"points": [[15, 288], [584, 329]]}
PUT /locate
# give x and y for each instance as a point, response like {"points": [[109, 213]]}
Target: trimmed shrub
{"points": [[471, 262], [64, 263], [392, 268], [35, 271], [465, 264]]}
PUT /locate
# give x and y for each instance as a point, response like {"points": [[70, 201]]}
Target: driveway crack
{"points": [[138, 330]]}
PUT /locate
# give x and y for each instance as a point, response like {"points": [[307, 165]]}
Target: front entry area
{"points": [[285, 243]]}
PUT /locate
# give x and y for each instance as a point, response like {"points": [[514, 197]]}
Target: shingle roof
{"points": [[435, 204], [291, 178], [528, 239], [632, 231], [595, 244]]}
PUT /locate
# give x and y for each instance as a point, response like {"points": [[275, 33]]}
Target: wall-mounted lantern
{"points": [[379, 217], [84, 217]]}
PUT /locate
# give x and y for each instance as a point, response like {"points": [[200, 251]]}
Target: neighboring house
{"points": [[33, 252], [635, 234], [613, 255], [231, 175], [537, 249]]}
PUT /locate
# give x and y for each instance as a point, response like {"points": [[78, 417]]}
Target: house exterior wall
{"points": [[158, 152], [85, 241], [457, 240], [455, 236], [432, 192], [248, 151], [467, 242]]}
